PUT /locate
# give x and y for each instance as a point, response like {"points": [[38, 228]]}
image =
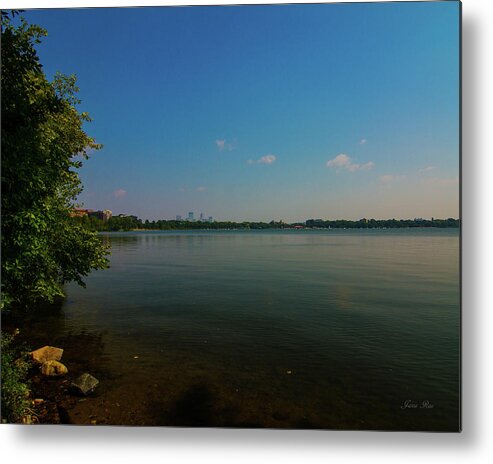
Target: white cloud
{"points": [[427, 169], [339, 161], [201, 189], [119, 193], [223, 144], [267, 159], [343, 161], [85, 153], [362, 141], [220, 144]]}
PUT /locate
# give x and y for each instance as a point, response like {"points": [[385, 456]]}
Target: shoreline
{"points": [[281, 229]]}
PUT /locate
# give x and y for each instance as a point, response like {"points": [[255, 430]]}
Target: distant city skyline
{"points": [[191, 217], [260, 113]]}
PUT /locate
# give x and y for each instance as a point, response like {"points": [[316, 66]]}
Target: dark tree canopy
{"points": [[43, 143]]}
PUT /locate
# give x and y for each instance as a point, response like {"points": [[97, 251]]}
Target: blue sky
{"points": [[266, 112]]}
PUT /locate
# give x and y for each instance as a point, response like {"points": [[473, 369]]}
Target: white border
{"points": [[130, 445]]}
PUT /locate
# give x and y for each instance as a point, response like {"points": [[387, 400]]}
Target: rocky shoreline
{"points": [[53, 392]]}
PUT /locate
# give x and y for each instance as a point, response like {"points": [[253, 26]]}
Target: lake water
{"points": [[305, 329]]}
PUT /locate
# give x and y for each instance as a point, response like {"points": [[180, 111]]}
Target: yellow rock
{"points": [[47, 353], [53, 369]]}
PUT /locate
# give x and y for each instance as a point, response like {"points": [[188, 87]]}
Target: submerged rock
{"points": [[84, 384], [46, 353], [53, 368]]}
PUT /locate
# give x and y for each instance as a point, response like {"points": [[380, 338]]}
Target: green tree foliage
{"points": [[15, 393], [43, 145]]}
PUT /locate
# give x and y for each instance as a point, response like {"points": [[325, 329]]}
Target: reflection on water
{"points": [[331, 329]]}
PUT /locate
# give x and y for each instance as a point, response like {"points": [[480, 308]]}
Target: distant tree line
{"points": [[118, 223], [382, 223]]}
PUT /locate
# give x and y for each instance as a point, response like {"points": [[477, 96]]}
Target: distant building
{"points": [[103, 215], [190, 216], [80, 212], [178, 217], [210, 219], [201, 217]]}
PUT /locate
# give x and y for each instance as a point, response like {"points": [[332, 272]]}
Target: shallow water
{"points": [[322, 328]]}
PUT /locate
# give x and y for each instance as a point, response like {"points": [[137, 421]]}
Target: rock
{"points": [[85, 384], [53, 368], [47, 353], [28, 420]]}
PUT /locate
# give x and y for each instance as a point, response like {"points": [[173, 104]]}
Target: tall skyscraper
{"points": [[201, 216], [190, 216], [210, 219]]}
